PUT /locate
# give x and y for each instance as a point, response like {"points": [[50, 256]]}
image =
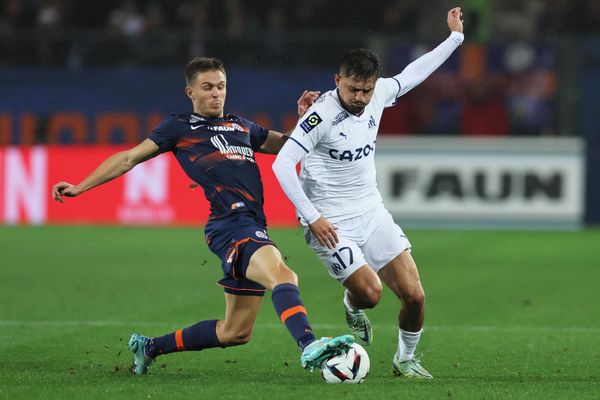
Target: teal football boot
{"points": [[318, 351], [141, 362]]}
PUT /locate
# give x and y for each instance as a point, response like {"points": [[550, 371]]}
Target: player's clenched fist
{"points": [[455, 21]]}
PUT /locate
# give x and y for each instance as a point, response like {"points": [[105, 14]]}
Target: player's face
{"points": [[207, 92], [355, 94]]}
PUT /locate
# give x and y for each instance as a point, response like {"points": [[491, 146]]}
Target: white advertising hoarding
{"points": [[512, 182]]}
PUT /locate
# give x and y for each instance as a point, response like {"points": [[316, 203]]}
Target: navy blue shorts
{"points": [[234, 240]]}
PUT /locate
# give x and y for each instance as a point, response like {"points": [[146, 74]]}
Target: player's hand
{"points": [[64, 189], [306, 100], [325, 232], [455, 20]]}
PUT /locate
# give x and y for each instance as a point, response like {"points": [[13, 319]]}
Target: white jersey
{"points": [[338, 172], [337, 177]]}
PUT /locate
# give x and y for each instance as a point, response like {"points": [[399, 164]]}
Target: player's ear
{"points": [[337, 79], [190, 93]]}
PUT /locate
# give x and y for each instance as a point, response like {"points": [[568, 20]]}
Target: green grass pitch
{"points": [[509, 315]]}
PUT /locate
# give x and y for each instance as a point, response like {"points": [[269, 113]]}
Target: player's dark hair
{"points": [[360, 64], [202, 64]]}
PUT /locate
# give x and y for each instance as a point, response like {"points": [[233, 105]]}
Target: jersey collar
{"points": [[358, 117]]}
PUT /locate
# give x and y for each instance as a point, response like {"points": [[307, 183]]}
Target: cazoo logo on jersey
{"points": [[352, 155], [232, 152]]}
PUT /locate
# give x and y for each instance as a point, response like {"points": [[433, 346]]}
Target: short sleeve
{"points": [[166, 134], [389, 90], [258, 134], [310, 130]]}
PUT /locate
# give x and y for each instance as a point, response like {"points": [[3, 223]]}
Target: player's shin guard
{"points": [[291, 311], [202, 335]]}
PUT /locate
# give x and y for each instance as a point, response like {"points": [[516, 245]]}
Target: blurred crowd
{"points": [[74, 32], [488, 18], [507, 72], [275, 19]]}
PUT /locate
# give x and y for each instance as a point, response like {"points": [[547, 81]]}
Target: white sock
{"points": [[407, 343], [349, 306]]}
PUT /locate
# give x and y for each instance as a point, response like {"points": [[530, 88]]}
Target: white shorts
{"points": [[372, 238]]}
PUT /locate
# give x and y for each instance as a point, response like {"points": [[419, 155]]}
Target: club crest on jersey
{"points": [[262, 234], [309, 123], [237, 205], [372, 123]]}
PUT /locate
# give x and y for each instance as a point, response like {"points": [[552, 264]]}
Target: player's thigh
{"points": [[267, 268], [342, 261], [385, 242], [240, 316], [402, 276]]}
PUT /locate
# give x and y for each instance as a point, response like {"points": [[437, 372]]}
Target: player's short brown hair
{"points": [[360, 64], [202, 64]]}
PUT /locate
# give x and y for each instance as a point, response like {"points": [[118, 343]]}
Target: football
{"points": [[350, 367]]}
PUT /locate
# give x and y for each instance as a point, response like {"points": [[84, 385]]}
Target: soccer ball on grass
{"points": [[350, 367]]}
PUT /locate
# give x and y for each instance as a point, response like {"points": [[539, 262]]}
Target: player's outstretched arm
{"points": [[113, 167], [418, 70], [275, 140]]}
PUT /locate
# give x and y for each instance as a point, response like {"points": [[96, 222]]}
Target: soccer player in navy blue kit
{"points": [[217, 152]]}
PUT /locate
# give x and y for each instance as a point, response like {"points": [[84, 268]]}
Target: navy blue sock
{"points": [[291, 311], [202, 335]]}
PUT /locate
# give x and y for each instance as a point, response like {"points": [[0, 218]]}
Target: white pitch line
{"points": [[441, 328]]}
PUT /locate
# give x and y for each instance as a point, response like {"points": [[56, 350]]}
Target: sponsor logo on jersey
{"points": [[342, 134], [352, 155], [226, 127], [340, 117], [372, 123], [262, 234], [310, 122], [232, 152], [220, 128]]}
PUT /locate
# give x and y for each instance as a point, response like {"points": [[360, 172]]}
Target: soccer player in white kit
{"points": [[337, 199]]}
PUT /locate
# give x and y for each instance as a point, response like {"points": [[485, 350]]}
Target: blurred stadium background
{"points": [[506, 133], [505, 136]]}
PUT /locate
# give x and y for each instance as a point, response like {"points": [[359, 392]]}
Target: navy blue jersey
{"points": [[218, 154]]}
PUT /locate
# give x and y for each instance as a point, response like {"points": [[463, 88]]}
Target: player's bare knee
{"points": [[415, 300], [370, 296], [292, 277], [285, 275]]}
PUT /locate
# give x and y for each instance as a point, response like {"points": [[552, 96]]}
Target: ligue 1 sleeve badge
{"points": [[310, 122]]}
